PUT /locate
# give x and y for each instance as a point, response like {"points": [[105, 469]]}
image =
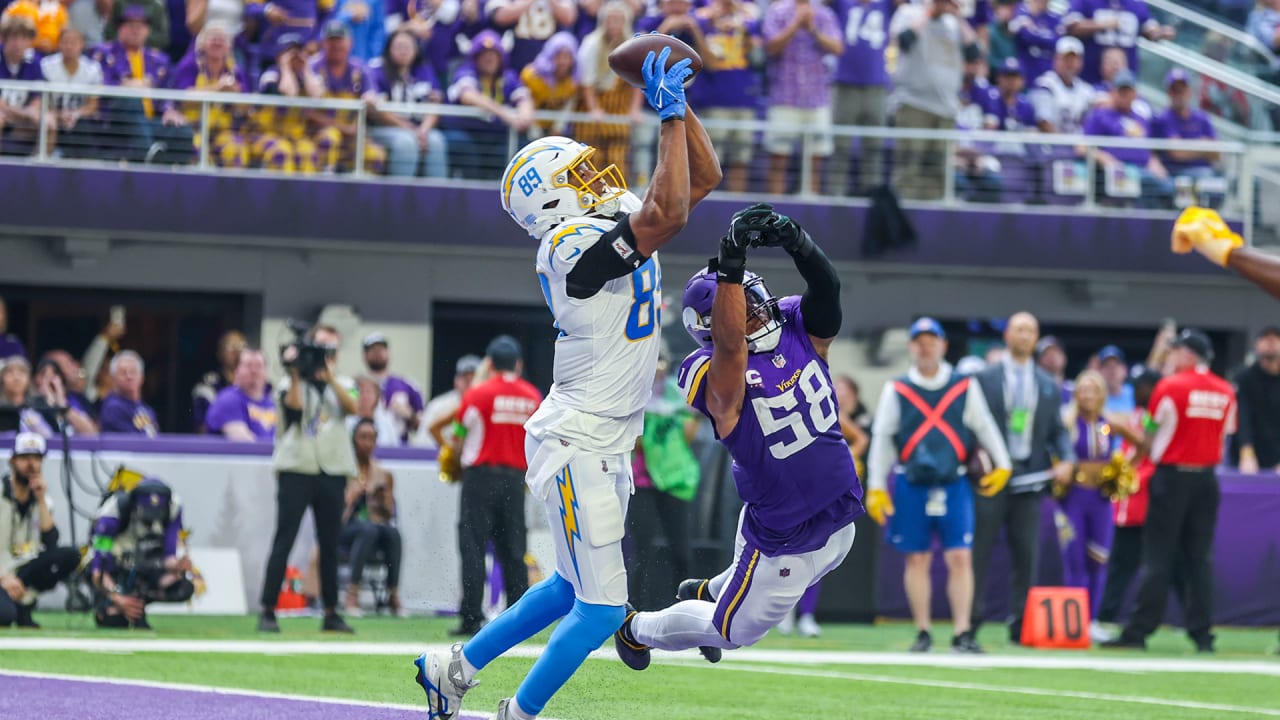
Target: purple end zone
{"points": [[60, 699]]}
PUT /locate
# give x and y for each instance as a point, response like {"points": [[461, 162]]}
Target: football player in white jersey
{"points": [[597, 264]]}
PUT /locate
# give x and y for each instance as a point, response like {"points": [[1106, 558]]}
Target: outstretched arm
{"points": [[1258, 268], [666, 203], [726, 378], [820, 304], [1203, 230], [704, 164]]}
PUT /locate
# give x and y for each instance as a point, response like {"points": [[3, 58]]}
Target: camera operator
{"points": [[30, 560], [135, 555], [313, 458]]}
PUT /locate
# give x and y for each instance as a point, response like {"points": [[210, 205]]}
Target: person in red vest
{"points": [[1193, 411], [1202, 230], [490, 433], [925, 426]]}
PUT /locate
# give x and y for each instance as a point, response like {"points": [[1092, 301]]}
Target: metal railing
{"points": [[1243, 49], [1050, 169]]}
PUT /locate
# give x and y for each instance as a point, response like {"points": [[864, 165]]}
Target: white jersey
{"points": [[607, 353], [1060, 104]]}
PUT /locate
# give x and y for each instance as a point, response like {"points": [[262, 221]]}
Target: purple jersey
{"points": [[394, 386], [976, 104], [1113, 123], [1095, 440], [977, 12], [27, 69], [232, 405], [1132, 16], [416, 87], [504, 89], [114, 59], [1195, 126], [121, 415], [1016, 116], [790, 463], [530, 32], [865, 28], [1036, 37], [733, 84], [10, 346]]}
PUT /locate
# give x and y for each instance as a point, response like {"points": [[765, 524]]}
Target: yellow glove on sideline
{"points": [[1203, 230], [450, 465], [878, 505], [993, 482]]}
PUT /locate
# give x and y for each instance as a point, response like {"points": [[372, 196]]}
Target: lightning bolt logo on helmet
{"points": [[552, 180]]}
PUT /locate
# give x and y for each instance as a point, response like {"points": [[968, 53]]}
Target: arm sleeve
{"points": [[820, 304], [882, 453], [613, 255], [978, 418]]}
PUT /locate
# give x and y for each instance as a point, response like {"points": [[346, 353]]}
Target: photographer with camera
{"points": [[30, 560], [135, 555], [313, 458]]}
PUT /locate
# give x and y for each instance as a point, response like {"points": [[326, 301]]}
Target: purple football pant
{"points": [[1086, 542]]}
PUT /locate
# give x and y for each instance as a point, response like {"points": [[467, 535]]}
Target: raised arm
{"points": [[704, 164], [1203, 230], [726, 379], [820, 304], [665, 209]]}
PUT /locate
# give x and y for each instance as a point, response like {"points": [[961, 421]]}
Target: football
{"points": [[628, 58]]}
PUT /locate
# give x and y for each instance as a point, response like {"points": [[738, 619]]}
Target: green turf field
{"points": [[693, 689]]}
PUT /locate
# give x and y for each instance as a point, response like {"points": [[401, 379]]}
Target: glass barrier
{"points": [[223, 132]]}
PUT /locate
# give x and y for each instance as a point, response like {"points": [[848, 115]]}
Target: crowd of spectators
{"points": [[802, 65]]}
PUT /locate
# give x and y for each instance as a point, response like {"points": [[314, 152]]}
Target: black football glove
{"points": [[749, 224], [781, 231], [731, 263]]}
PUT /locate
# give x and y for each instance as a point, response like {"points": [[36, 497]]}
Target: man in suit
{"points": [[1024, 400]]}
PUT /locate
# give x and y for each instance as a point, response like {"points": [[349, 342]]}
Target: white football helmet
{"points": [[552, 179]]}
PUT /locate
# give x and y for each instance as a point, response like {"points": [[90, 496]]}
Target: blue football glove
{"points": [[663, 86]]}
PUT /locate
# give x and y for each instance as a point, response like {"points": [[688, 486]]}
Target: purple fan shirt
{"points": [[10, 346], [734, 84], [187, 75], [977, 103], [233, 405], [303, 19], [415, 88], [529, 33], [394, 385], [797, 77], [121, 415], [28, 69], [1036, 38], [866, 32], [1132, 15], [977, 12], [505, 89], [114, 60], [790, 463], [1195, 126], [1016, 116], [1111, 122]]}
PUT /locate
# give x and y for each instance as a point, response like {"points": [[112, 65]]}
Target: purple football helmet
{"points": [[700, 292]]}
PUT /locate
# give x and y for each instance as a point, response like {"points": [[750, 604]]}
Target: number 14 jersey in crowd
{"points": [[790, 463]]}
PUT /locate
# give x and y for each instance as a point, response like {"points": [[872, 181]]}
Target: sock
{"points": [[585, 628], [542, 605], [685, 625], [515, 711], [468, 670]]}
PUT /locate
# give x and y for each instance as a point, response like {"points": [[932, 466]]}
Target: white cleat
{"points": [[441, 678], [1099, 633], [503, 712], [808, 627]]}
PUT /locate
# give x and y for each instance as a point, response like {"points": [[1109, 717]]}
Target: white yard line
{"points": [[1008, 690], [1121, 662], [234, 691]]}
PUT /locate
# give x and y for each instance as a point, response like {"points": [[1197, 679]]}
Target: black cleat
{"points": [[24, 619], [335, 624], [695, 589], [268, 624], [700, 589], [966, 644], [632, 653], [923, 643], [1124, 642], [1204, 645]]}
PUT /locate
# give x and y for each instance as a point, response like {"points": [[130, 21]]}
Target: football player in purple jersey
{"points": [[761, 375]]}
